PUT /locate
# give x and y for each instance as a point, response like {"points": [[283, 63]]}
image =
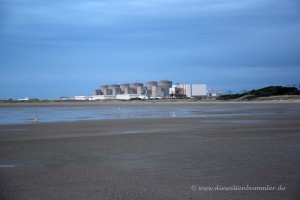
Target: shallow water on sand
{"points": [[21, 115]]}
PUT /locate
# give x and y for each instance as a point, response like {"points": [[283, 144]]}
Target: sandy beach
{"points": [[167, 158]]}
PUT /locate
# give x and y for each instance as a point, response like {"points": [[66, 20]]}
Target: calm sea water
{"points": [[21, 115]]}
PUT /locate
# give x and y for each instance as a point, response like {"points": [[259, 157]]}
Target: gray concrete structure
{"points": [[157, 92], [125, 87], [133, 90], [115, 89], [128, 90], [136, 85], [165, 87], [150, 84]]}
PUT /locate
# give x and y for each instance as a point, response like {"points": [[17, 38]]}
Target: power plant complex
{"points": [[152, 90]]}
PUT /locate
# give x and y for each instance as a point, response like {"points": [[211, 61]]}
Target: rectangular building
{"points": [[189, 90], [198, 90]]}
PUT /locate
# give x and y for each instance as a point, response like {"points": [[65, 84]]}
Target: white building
{"points": [[127, 96], [25, 99], [188, 90], [103, 97], [81, 98]]}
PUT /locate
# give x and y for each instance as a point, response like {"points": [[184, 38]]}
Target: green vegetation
{"points": [[262, 93]]}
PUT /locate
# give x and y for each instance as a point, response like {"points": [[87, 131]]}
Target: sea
{"points": [[28, 114]]}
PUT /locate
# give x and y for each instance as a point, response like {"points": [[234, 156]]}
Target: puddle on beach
{"points": [[14, 129], [233, 121], [159, 130], [6, 166]]}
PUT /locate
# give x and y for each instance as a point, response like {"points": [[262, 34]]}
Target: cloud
{"points": [[164, 36], [112, 12]]}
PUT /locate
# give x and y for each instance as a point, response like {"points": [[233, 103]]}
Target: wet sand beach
{"points": [[157, 158]]}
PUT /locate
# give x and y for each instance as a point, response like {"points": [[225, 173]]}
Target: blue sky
{"points": [[71, 47]]}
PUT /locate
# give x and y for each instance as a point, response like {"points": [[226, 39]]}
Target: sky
{"points": [[54, 48]]}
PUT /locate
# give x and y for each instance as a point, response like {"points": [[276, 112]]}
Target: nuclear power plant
{"points": [[152, 90]]}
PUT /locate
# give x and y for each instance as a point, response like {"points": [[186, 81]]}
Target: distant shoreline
{"points": [[149, 102]]}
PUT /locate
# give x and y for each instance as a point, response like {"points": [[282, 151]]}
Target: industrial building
{"points": [[83, 98], [128, 91], [188, 90], [152, 90]]}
